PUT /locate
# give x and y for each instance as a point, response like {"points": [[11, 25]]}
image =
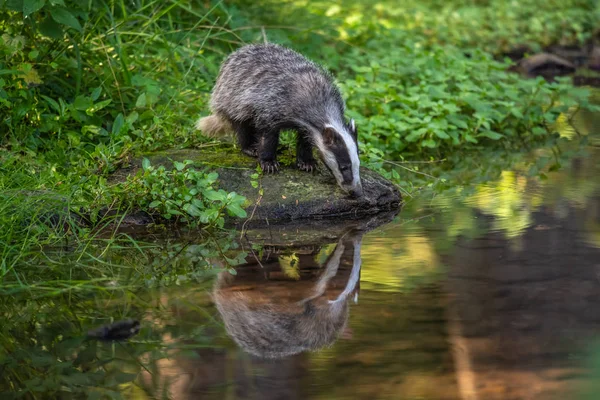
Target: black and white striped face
{"points": [[339, 150]]}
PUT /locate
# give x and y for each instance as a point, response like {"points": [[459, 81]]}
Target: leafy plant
{"points": [[183, 193]]}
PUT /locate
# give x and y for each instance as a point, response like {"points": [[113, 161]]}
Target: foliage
{"points": [[183, 193], [438, 102], [495, 26], [85, 86]]}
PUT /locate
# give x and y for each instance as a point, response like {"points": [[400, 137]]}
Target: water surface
{"points": [[489, 291]]}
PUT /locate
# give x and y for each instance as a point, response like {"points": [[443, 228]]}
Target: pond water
{"points": [[487, 292]]}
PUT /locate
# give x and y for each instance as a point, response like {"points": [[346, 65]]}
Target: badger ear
{"points": [[353, 128], [329, 135]]}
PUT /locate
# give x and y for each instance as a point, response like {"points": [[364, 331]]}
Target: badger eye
{"points": [[344, 168]]}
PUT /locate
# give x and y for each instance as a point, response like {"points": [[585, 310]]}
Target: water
{"points": [[488, 292]]}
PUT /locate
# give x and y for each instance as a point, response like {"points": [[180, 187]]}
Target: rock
{"points": [[307, 233], [546, 65], [574, 54], [119, 330], [288, 195], [594, 61]]}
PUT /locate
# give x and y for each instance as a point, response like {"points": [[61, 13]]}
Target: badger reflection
{"points": [[286, 315]]}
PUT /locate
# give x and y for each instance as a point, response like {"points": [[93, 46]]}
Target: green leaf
{"points": [[155, 203], [97, 107], [82, 103], [192, 210], [63, 16], [517, 113], [213, 195], [15, 5], [441, 134], [458, 121], [96, 93], [31, 6], [131, 118], [141, 101], [470, 138], [145, 163], [50, 28], [209, 215], [414, 135], [57, 2], [491, 134], [118, 124], [429, 143], [198, 203], [179, 165], [52, 103], [236, 210]]}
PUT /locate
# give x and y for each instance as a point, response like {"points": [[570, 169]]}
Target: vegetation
{"points": [[85, 87]]}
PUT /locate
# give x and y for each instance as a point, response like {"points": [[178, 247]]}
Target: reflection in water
{"points": [[267, 319], [524, 317]]}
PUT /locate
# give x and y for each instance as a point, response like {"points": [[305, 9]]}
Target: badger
{"points": [[263, 89], [269, 326]]}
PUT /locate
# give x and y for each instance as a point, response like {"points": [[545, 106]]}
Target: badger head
{"points": [[338, 148]]}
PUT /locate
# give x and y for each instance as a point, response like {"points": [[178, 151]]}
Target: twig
{"points": [[252, 251], [420, 162], [258, 199], [408, 169]]}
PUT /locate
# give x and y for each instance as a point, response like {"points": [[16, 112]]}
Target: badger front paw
{"points": [[269, 166], [306, 166]]}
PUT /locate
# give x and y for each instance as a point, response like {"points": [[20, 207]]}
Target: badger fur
{"points": [[263, 89]]}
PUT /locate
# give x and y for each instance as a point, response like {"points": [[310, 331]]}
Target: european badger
{"points": [[263, 89]]}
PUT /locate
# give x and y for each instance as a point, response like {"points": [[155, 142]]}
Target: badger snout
{"points": [[356, 192]]}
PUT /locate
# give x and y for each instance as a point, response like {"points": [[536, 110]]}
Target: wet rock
{"points": [[546, 65], [288, 195], [307, 232], [594, 61], [120, 330], [574, 54]]}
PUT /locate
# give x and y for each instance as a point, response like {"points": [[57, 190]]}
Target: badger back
{"points": [[271, 84]]}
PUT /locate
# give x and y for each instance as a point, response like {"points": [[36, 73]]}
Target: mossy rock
{"points": [[288, 195]]}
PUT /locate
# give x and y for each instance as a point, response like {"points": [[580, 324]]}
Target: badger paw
{"points": [[269, 167], [306, 166]]}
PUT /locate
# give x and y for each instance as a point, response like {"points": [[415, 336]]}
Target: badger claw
{"points": [[269, 167], [304, 166]]}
